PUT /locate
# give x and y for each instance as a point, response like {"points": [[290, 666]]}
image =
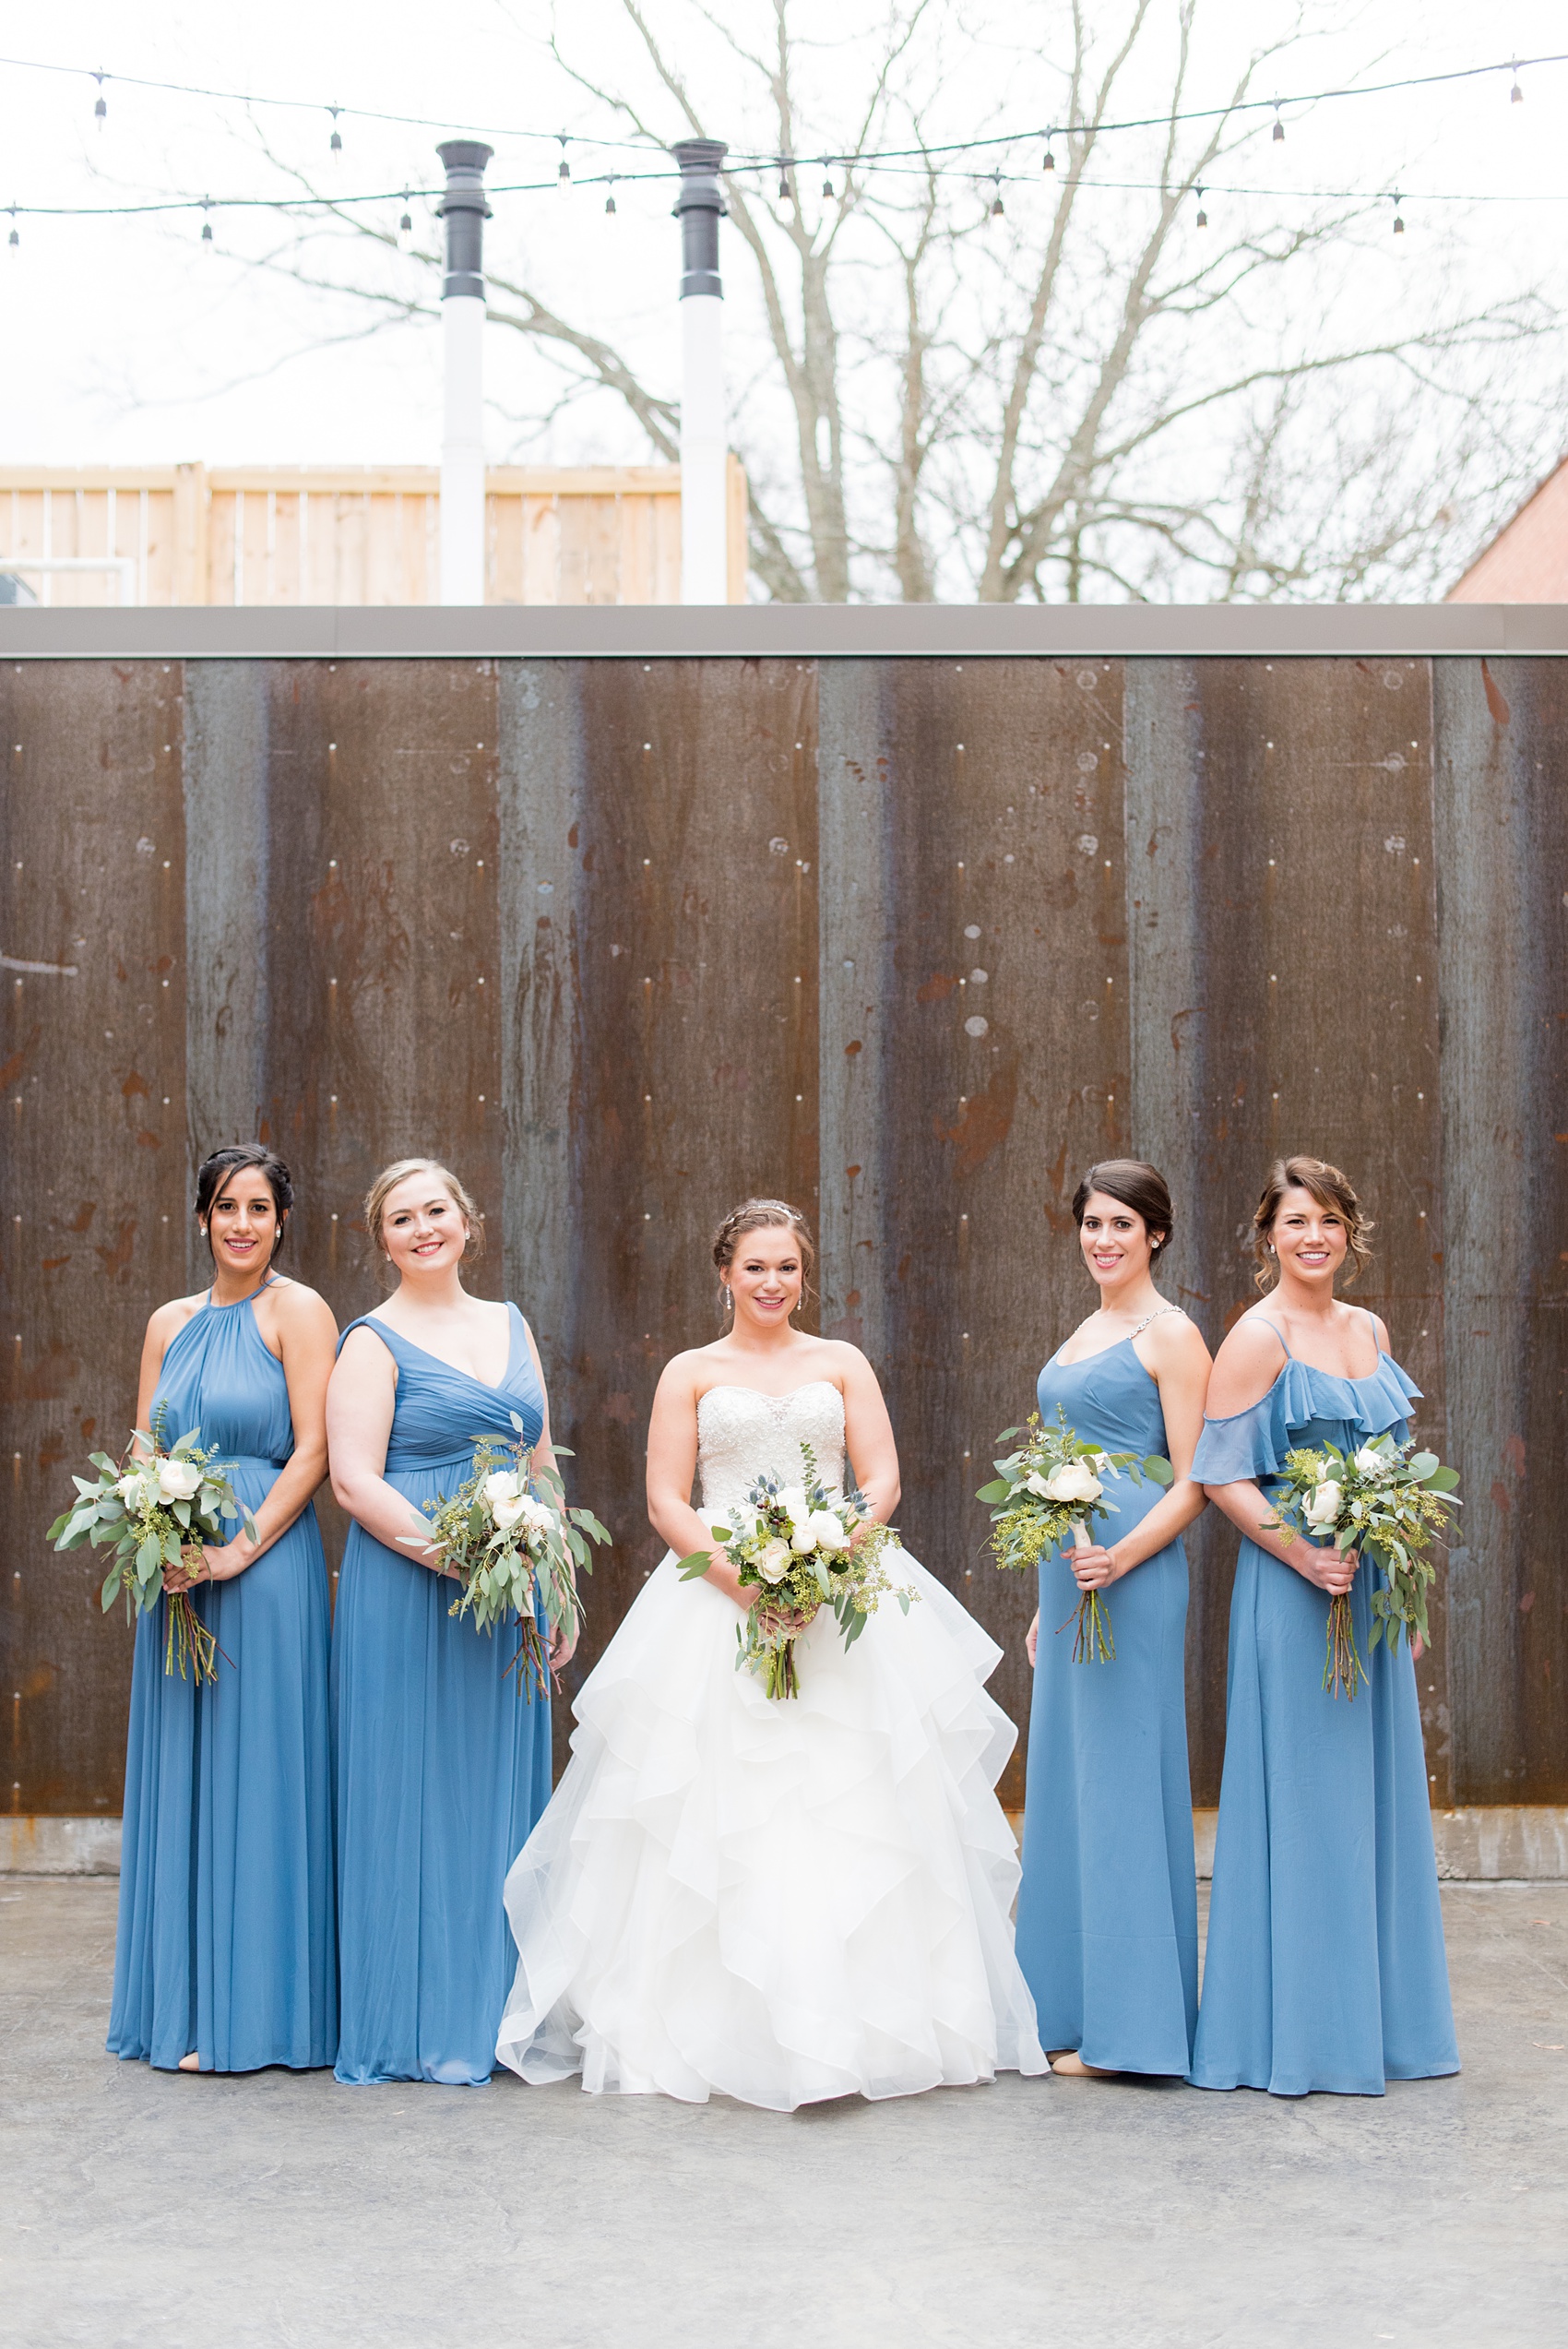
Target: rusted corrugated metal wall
{"points": [[912, 941]]}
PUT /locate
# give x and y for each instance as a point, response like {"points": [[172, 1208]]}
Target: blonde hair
{"points": [[386, 1182], [1331, 1190]]}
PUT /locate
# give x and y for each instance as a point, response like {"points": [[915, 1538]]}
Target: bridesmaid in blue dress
{"points": [[1108, 1925], [225, 1958], [442, 1758], [1326, 1966]]}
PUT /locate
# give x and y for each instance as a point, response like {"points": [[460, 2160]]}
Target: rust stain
{"points": [[50, 1378], [851, 1049], [985, 1124], [135, 1083], [82, 1218], [1501, 713], [117, 1259], [11, 1070], [40, 1680], [1527, 1603], [1513, 1453], [938, 988], [146, 1140], [1500, 1496], [621, 1409]]}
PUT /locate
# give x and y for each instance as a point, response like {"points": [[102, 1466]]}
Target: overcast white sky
{"points": [[127, 340]]}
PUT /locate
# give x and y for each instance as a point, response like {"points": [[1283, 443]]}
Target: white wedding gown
{"points": [[778, 1900]]}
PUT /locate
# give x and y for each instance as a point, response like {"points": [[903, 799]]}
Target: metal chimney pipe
{"points": [[464, 211], [704, 425]]}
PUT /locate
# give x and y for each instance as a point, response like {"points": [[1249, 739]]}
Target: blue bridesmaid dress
{"points": [[1108, 1920], [1326, 1966], [226, 1941], [443, 1759]]}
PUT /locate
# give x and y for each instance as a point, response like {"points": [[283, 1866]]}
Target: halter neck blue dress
{"points": [[1326, 1966], [443, 1761], [225, 1944], [1108, 1921]]}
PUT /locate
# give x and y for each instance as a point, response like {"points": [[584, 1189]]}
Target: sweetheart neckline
{"points": [[735, 1386]]}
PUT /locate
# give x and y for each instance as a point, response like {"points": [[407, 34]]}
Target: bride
{"points": [[774, 1900]]}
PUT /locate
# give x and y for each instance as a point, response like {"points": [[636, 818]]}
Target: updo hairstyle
{"points": [[215, 1170], [386, 1182], [761, 1215], [1330, 1188], [1136, 1185]]}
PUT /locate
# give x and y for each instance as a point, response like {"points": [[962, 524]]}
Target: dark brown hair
{"points": [[1330, 1188], [214, 1173], [1138, 1185], [763, 1215]]}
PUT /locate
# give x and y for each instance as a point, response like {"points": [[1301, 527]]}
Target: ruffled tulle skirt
{"points": [[775, 1900]]}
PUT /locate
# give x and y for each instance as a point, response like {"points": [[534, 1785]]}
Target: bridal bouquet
{"points": [[1387, 1501], [804, 1547], [1044, 1495], [508, 1547], [159, 1505]]}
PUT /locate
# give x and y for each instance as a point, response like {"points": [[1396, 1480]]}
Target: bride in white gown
{"points": [[775, 1900]]}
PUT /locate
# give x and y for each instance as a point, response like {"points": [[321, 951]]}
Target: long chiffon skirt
{"points": [[1326, 1966], [226, 1939], [775, 1900]]}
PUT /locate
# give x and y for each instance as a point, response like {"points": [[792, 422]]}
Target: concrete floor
{"points": [[283, 2211]]}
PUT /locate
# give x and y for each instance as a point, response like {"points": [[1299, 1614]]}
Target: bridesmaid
{"points": [[225, 1957], [1326, 1966], [1108, 1925], [442, 1758]]}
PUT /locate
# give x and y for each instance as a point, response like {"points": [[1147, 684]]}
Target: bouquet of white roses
{"points": [[1044, 1496], [1385, 1501], [804, 1547], [159, 1505], [509, 1537]]}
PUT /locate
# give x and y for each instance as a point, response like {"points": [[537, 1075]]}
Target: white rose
{"points": [[1372, 1462], [1322, 1505], [827, 1532], [500, 1484], [132, 1489], [1035, 1483], [1074, 1481], [773, 1562], [509, 1511], [538, 1515], [794, 1504], [178, 1480], [801, 1539]]}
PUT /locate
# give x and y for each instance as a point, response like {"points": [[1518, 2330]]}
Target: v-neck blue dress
{"points": [[225, 1944], [443, 1759], [1325, 1967], [1108, 1916]]}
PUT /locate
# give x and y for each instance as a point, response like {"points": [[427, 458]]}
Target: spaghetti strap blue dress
{"points": [[225, 1944], [1326, 1966], [1108, 1921], [443, 1759]]}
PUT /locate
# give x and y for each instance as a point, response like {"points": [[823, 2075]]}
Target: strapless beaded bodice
{"points": [[742, 1434]]}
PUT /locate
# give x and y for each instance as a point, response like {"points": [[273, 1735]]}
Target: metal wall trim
{"points": [[780, 631]]}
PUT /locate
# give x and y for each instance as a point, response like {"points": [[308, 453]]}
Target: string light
{"points": [[101, 109], [335, 144], [405, 226], [563, 176], [1515, 96], [1050, 162], [1279, 125], [997, 207], [13, 240], [827, 190], [610, 199], [1201, 222], [207, 225], [1399, 216], [784, 195]]}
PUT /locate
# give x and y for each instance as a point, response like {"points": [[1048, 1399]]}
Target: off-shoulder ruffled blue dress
{"points": [[1108, 1921], [443, 1761], [225, 1944], [1326, 1966]]}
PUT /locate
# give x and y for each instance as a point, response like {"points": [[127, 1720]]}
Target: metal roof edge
{"points": [[781, 631]]}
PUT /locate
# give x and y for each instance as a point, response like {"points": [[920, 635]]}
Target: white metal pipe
{"points": [[703, 445], [15, 567], [462, 451]]}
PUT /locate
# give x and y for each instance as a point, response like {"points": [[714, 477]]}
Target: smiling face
{"points": [[1309, 1239], [1115, 1240], [765, 1277], [422, 1228], [242, 1223]]}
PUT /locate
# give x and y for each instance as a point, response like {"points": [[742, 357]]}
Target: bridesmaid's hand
{"points": [[1031, 1640], [1331, 1570], [564, 1645], [1095, 1569], [221, 1563]]}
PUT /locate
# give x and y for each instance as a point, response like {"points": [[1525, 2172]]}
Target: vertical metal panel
{"points": [[92, 1176], [1318, 961], [1502, 735], [856, 933], [695, 1025], [1006, 1067]]}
